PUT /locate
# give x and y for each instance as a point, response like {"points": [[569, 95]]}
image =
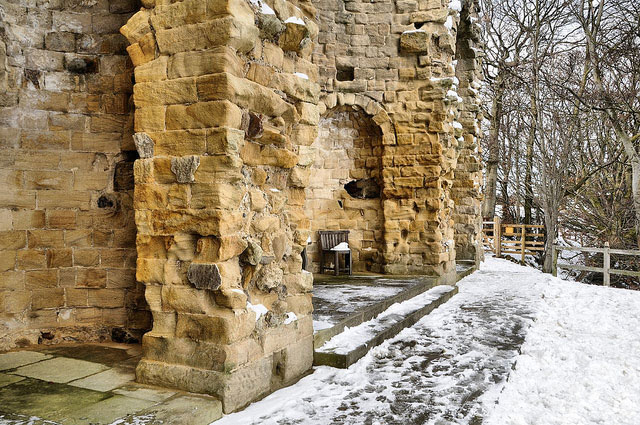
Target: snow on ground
{"points": [[468, 363], [352, 338], [433, 372], [323, 322], [580, 363], [513, 347]]}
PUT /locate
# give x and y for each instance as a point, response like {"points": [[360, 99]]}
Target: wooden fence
{"points": [[522, 239], [606, 261]]}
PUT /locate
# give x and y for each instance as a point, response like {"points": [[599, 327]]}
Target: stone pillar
{"points": [[424, 158], [468, 174], [225, 98]]}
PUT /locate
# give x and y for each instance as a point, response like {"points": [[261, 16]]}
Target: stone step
{"points": [[371, 311], [463, 269], [347, 347]]}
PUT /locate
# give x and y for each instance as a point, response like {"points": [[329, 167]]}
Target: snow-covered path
{"points": [[445, 369], [514, 347], [580, 364]]}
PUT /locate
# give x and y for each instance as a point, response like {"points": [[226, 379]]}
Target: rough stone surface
{"points": [[400, 76], [270, 26], [204, 276], [348, 123], [269, 277], [67, 228], [144, 145], [415, 42], [293, 35], [187, 410], [185, 168], [260, 126], [252, 254]]}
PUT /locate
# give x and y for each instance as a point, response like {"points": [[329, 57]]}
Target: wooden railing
{"points": [[521, 239], [606, 261]]}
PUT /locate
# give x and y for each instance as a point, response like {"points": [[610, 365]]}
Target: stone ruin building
{"points": [[165, 163]]}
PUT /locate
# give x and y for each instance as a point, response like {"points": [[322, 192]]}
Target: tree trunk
{"points": [[635, 181], [551, 230], [528, 185], [491, 186]]}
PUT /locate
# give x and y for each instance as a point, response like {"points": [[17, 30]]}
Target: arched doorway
{"points": [[345, 189]]}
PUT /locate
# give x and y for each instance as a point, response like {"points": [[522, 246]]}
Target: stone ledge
{"points": [[344, 360], [322, 336]]}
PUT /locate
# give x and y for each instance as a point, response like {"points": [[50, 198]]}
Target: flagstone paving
{"points": [[91, 384], [20, 358], [60, 369]]}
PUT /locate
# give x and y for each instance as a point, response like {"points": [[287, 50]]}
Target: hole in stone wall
{"points": [[33, 76], [418, 25], [344, 73], [123, 336], [106, 201], [340, 204], [363, 189], [82, 65], [405, 234], [47, 335], [278, 368]]}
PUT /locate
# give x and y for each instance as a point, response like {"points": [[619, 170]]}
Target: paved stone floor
{"points": [[90, 384], [336, 298], [94, 383]]}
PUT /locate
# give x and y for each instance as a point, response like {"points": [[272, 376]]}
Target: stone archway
{"points": [[346, 188]]}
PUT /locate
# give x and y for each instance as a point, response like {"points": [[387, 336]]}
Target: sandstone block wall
{"points": [[397, 60], [251, 117], [67, 231], [225, 107], [227, 119]]}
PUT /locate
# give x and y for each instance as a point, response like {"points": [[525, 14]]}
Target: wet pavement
{"points": [[336, 298], [446, 369], [435, 372], [90, 384]]}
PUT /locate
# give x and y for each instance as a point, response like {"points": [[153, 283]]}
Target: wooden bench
{"points": [[330, 239]]}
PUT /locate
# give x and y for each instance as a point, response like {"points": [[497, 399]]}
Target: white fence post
{"points": [[606, 265]]}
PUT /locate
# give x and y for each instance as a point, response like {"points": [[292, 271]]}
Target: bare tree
{"points": [[506, 41], [612, 31], [564, 96]]}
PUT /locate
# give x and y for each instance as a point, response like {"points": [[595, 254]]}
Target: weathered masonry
{"points": [[254, 124], [67, 229]]}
